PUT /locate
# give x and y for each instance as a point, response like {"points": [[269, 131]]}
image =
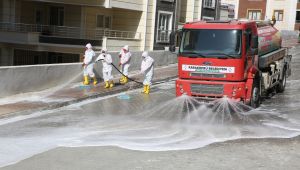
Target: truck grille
{"points": [[193, 74], [211, 89]]}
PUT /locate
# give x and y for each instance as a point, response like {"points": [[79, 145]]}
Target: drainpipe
{"points": [[147, 3], [217, 10], [175, 14]]}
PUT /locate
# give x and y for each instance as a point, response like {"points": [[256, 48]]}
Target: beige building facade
{"points": [[189, 10], [53, 31], [284, 12]]}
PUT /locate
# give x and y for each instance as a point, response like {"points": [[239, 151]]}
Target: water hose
{"points": [[125, 76]]}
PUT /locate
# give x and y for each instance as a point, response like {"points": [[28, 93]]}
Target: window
{"points": [[103, 21], [254, 14], [209, 3], [298, 16], [278, 15], [211, 43], [164, 26], [38, 17], [57, 16]]}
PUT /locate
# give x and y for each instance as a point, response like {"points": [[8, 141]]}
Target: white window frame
{"points": [[104, 16], [277, 11], [206, 4], [256, 11], [158, 24]]}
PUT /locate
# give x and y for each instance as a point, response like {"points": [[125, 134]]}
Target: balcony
{"points": [[67, 35], [136, 5], [77, 2]]}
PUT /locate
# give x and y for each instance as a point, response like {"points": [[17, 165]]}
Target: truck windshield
{"points": [[211, 43]]}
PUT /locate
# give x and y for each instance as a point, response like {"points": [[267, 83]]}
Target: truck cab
{"points": [[220, 58]]}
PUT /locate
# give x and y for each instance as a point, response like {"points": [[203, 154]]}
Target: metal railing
{"points": [[163, 36], [69, 32]]}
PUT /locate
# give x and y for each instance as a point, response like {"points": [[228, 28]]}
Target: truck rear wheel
{"points": [[282, 83], [255, 95]]}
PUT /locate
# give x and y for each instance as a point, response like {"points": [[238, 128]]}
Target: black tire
{"points": [[255, 94], [282, 83]]}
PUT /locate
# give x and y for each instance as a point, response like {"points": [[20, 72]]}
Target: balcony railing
{"points": [[163, 36], [69, 32]]}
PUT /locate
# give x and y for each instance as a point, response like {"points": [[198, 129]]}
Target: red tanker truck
{"points": [[242, 60]]}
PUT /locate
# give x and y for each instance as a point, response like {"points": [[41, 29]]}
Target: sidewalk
{"points": [[73, 93]]}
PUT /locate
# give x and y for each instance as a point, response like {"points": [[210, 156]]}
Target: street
{"points": [[131, 130]]}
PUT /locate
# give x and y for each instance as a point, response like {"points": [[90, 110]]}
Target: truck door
{"points": [[251, 49]]}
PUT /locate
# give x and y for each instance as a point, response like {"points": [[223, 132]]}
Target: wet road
{"points": [[136, 131]]}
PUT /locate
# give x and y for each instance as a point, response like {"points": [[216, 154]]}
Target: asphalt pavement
{"points": [[70, 93]]}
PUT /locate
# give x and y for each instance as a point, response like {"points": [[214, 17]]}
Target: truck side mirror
{"points": [[255, 41], [253, 51], [254, 46]]}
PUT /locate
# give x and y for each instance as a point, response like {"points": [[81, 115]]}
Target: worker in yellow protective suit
{"points": [[147, 68], [125, 56], [88, 65], [107, 68]]}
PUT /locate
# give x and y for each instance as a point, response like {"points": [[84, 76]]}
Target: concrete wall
{"points": [[22, 79], [6, 56], [116, 44]]}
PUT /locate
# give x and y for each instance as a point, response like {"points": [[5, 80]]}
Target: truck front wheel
{"points": [[255, 95], [281, 86]]}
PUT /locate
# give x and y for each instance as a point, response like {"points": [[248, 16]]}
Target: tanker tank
{"points": [[269, 39]]}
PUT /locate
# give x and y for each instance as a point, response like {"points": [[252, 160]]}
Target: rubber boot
{"points": [[111, 84], [147, 89], [121, 79], [125, 80], [106, 84], [144, 90], [95, 80], [86, 80]]}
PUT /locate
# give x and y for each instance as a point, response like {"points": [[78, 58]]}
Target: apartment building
{"points": [[193, 10], [55, 31], [254, 10], [284, 11], [165, 23], [210, 10], [232, 6], [226, 11]]}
